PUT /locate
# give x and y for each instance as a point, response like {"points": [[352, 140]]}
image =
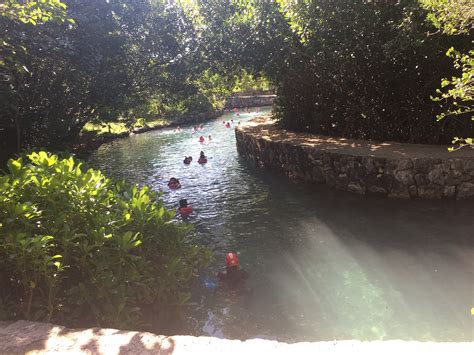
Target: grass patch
{"points": [[111, 128], [116, 128], [152, 123]]}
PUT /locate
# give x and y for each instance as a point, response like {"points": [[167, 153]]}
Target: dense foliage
{"points": [[452, 16], [102, 67], [75, 62], [456, 17], [366, 70], [12, 69], [78, 247], [362, 69]]}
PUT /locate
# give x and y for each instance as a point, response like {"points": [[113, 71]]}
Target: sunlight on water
{"points": [[323, 264]]}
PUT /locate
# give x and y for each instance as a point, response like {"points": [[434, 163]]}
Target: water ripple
{"points": [[324, 264]]}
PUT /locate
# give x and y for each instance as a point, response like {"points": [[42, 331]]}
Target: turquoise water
{"points": [[323, 264]]}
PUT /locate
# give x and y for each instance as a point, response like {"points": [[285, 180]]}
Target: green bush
{"points": [[79, 248], [367, 69]]}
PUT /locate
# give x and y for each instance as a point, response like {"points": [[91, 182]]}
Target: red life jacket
{"points": [[185, 211]]}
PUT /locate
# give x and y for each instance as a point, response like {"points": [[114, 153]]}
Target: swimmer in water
{"points": [[233, 274], [184, 208], [174, 183]]}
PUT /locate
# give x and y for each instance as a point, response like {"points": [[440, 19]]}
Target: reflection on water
{"points": [[323, 264]]}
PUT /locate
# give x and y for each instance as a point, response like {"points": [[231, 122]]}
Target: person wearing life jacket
{"points": [[202, 158], [184, 209], [201, 139], [174, 183], [187, 160], [227, 125], [233, 274]]}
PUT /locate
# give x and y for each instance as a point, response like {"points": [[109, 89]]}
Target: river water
{"points": [[323, 264]]}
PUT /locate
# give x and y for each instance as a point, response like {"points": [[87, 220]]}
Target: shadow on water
{"points": [[324, 264]]}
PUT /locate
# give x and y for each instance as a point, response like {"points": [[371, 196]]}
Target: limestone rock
{"points": [[377, 189], [449, 191], [469, 167], [455, 177], [413, 191], [431, 191], [317, 174], [422, 165], [405, 177], [436, 175], [456, 164], [404, 164], [400, 193], [466, 190], [356, 187], [420, 179], [369, 164]]}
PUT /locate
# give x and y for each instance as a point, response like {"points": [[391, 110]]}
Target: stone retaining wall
{"points": [[391, 169]]}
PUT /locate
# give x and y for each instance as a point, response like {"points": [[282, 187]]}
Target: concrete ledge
{"points": [[42, 338], [387, 168]]}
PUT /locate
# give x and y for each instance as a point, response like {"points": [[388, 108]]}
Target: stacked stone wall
{"points": [[391, 169]]}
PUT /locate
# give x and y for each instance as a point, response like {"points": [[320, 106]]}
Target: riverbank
{"points": [[43, 338], [385, 168], [90, 140]]}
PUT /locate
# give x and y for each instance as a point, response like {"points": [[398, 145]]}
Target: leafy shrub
{"points": [[367, 69], [77, 247]]}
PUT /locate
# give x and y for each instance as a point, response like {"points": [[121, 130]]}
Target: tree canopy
{"points": [[363, 69], [456, 17]]}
